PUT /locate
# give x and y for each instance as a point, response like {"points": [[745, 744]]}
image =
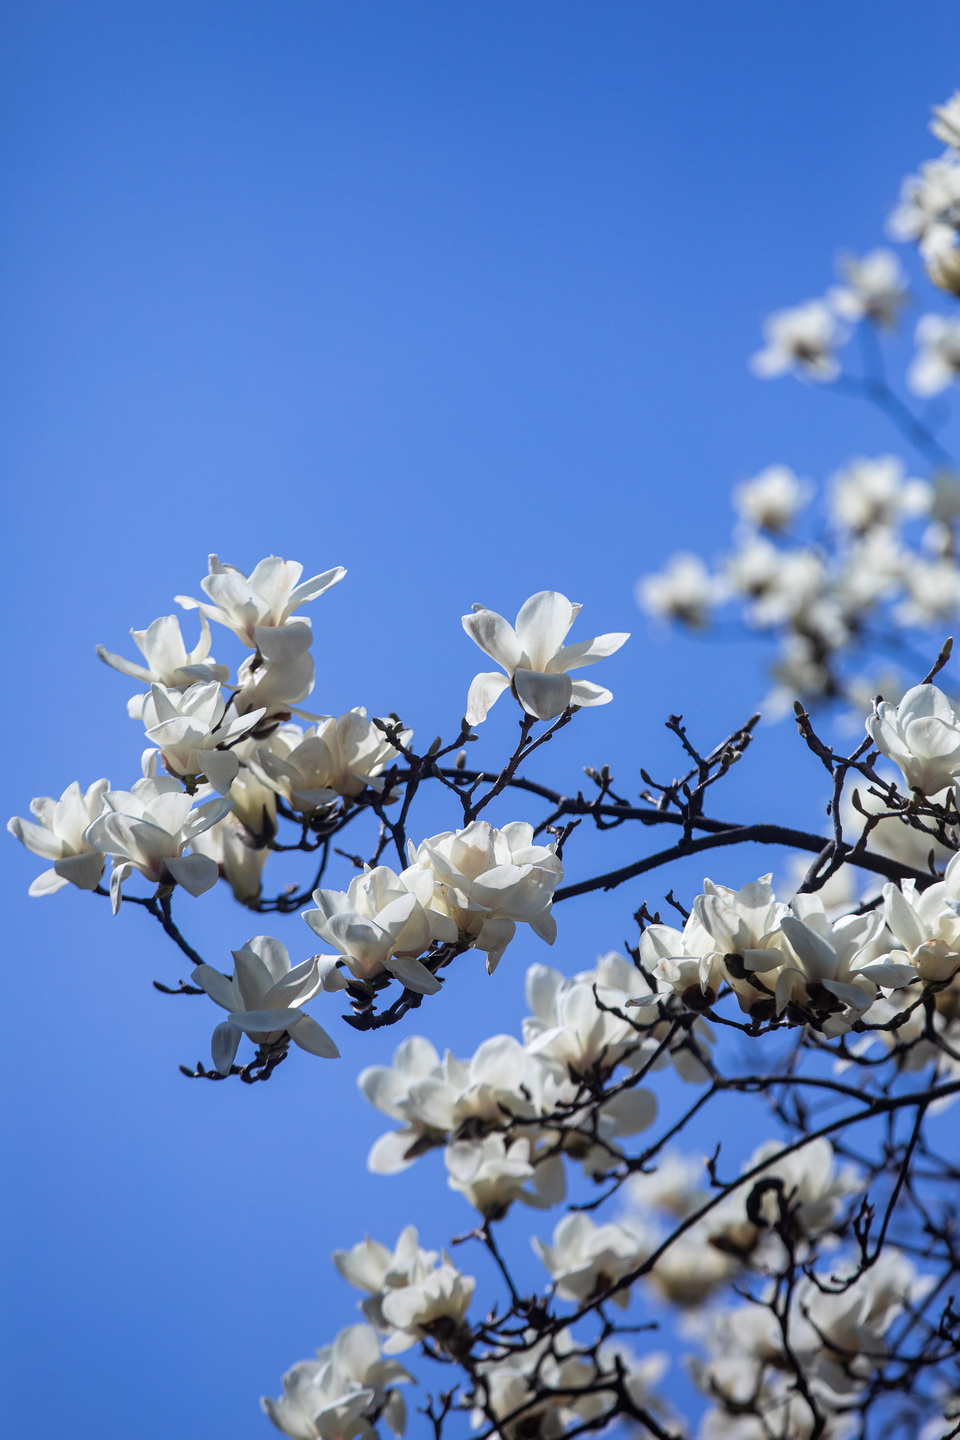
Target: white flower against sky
{"points": [[925, 925], [875, 288], [683, 590], [341, 1394], [434, 1097], [493, 1172], [190, 727], [433, 1308], [946, 121], [828, 956], [383, 923], [168, 662], [535, 659], [335, 757], [487, 881], [804, 338], [568, 1027], [937, 362], [374, 1268], [585, 1259], [921, 735], [264, 996], [928, 201], [268, 597], [57, 832], [148, 828], [772, 499], [878, 492], [280, 672]]}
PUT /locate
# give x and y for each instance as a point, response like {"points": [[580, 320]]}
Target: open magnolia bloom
{"points": [[280, 672], [169, 662], [921, 735], [585, 1259], [148, 828], [926, 926], [382, 924], [58, 833], [875, 288], [264, 599], [433, 1308], [264, 996], [535, 659], [341, 1394], [803, 338], [335, 757], [370, 1266], [191, 727], [493, 1172], [488, 880]]}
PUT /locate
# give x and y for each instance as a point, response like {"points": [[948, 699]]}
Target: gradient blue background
{"points": [[459, 296]]}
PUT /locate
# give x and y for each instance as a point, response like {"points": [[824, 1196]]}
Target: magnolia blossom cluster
{"points": [[837, 1336], [511, 1115], [414, 1295], [792, 962], [885, 566]]}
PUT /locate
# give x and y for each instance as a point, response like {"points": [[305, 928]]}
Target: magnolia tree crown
{"points": [[806, 1282]]}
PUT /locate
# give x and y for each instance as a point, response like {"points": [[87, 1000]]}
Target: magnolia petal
{"points": [[312, 1037], [495, 636], [543, 696], [84, 871], [542, 626], [196, 873], [265, 1022], [585, 693], [47, 884], [414, 974], [221, 768], [485, 689], [224, 1044]]}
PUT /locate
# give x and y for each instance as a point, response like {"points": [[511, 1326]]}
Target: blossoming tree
{"points": [[810, 1293]]}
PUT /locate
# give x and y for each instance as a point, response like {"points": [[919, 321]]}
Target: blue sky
{"points": [[459, 296]]}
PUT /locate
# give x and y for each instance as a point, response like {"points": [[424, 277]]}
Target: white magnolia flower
{"points": [[813, 1187], [585, 1259], [169, 663], [341, 1394], [437, 1100], [921, 735], [826, 974], [58, 833], [875, 288], [684, 590], [946, 121], [266, 598], [926, 926], [928, 201], [932, 592], [280, 672], [433, 1309], [148, 828], [382, 923], [569, 1028], [191, 726], [804, 338], [370, 1266], [493, 1172], [264, 996], [487, 881], [535, 658], [870, 493], [937, 362], [335, 757], [772, 499]]}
